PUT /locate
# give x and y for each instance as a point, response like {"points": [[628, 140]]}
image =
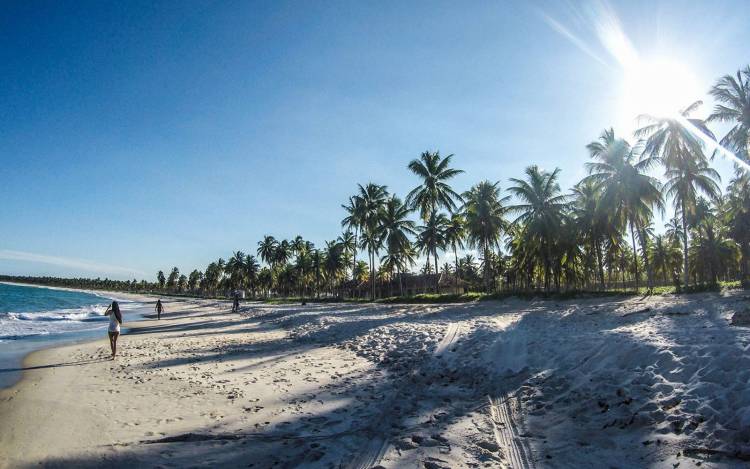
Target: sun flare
{"points": [[659, 87]]}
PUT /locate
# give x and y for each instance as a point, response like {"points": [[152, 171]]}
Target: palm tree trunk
{"points": [[635, 254], [744, 264], [646, 262], [372, 275], [455, 271], [685, 246], [598, 250], [354, 256], [437, 272], [486, 270]]}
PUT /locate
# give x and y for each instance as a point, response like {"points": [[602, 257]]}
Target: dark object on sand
{"points": [[741, 318]]}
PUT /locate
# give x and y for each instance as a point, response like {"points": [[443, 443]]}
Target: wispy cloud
{"points": [[79, 264], [568, 34]]}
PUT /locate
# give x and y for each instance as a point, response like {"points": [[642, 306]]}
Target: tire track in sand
{"points": [[503, 416], [378, 445]]}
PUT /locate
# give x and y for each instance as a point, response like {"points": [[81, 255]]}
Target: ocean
{"points": [[33, 317]]}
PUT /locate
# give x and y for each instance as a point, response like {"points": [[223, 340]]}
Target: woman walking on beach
{"points": [[159, 309], [115, 319]]}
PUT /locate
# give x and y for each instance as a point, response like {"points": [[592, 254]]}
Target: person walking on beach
{"points": [[115, 319], [236, 303], [159, 309]]}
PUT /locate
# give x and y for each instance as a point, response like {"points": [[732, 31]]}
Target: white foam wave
{"points": [[16, 325]]}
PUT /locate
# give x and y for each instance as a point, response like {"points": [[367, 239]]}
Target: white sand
{"points": [[586, 383]]}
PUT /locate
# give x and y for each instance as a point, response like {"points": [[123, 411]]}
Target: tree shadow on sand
{"points": [[416, 397]]}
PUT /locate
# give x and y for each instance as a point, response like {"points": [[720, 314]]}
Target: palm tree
{"points": [[591, 217], [397, 228], [373, 198], [434, 192], [673, 230], [194, 280], [348, 241], [161, 279], [733, 105], [297, 245], [484, 211], [687, 170], [663, 256], [283, 253], [455, 232], [236, 269], [173, 277], [431, 238], [713, 251], [265, 280], [628, 193], [683, 184], [737, 218], [333, 263], [354, 221], [211, 277], [182, 283], [267, 249], [251, 272], [542, 211]]}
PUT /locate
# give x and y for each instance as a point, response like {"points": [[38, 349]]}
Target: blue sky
{"points": [[143, 135]]}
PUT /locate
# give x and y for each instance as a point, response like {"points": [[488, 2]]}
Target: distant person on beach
{"points": [[236, 303], [115, 319], [159, 308]]}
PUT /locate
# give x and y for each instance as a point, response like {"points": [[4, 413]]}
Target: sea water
{"points": [[37, 317]]}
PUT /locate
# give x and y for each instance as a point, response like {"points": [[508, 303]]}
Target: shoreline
{"points": [[12, 361]]}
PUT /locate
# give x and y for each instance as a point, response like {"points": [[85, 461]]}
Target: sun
{"points": [[658, 87]]}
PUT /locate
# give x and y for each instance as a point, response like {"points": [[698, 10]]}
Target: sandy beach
{"points": [[624, 382]]}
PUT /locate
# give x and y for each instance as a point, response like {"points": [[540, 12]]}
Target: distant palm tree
{"points": [[265, 280], [354, 220], [373, 198], [334, 263], [713, 251], [431, 238], [629, 193], [687, 170], [683, 184], [396, 225], [455, 233], [161, 279], [267, 249], [673, 230], [173, 277], [732, 95], [348, 241], [361, 272], [484, 213], [251, 272], [664, 256], [182, 283], [297, 245], [236, 270], [194, 279], [211, 277], [434, 192], [591, 217], [737, 218], [541, 213]]}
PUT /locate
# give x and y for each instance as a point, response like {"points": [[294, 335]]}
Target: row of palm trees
{"points": [[600, 234]]}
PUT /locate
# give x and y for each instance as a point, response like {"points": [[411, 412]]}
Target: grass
{"points": [[450, 298]]}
